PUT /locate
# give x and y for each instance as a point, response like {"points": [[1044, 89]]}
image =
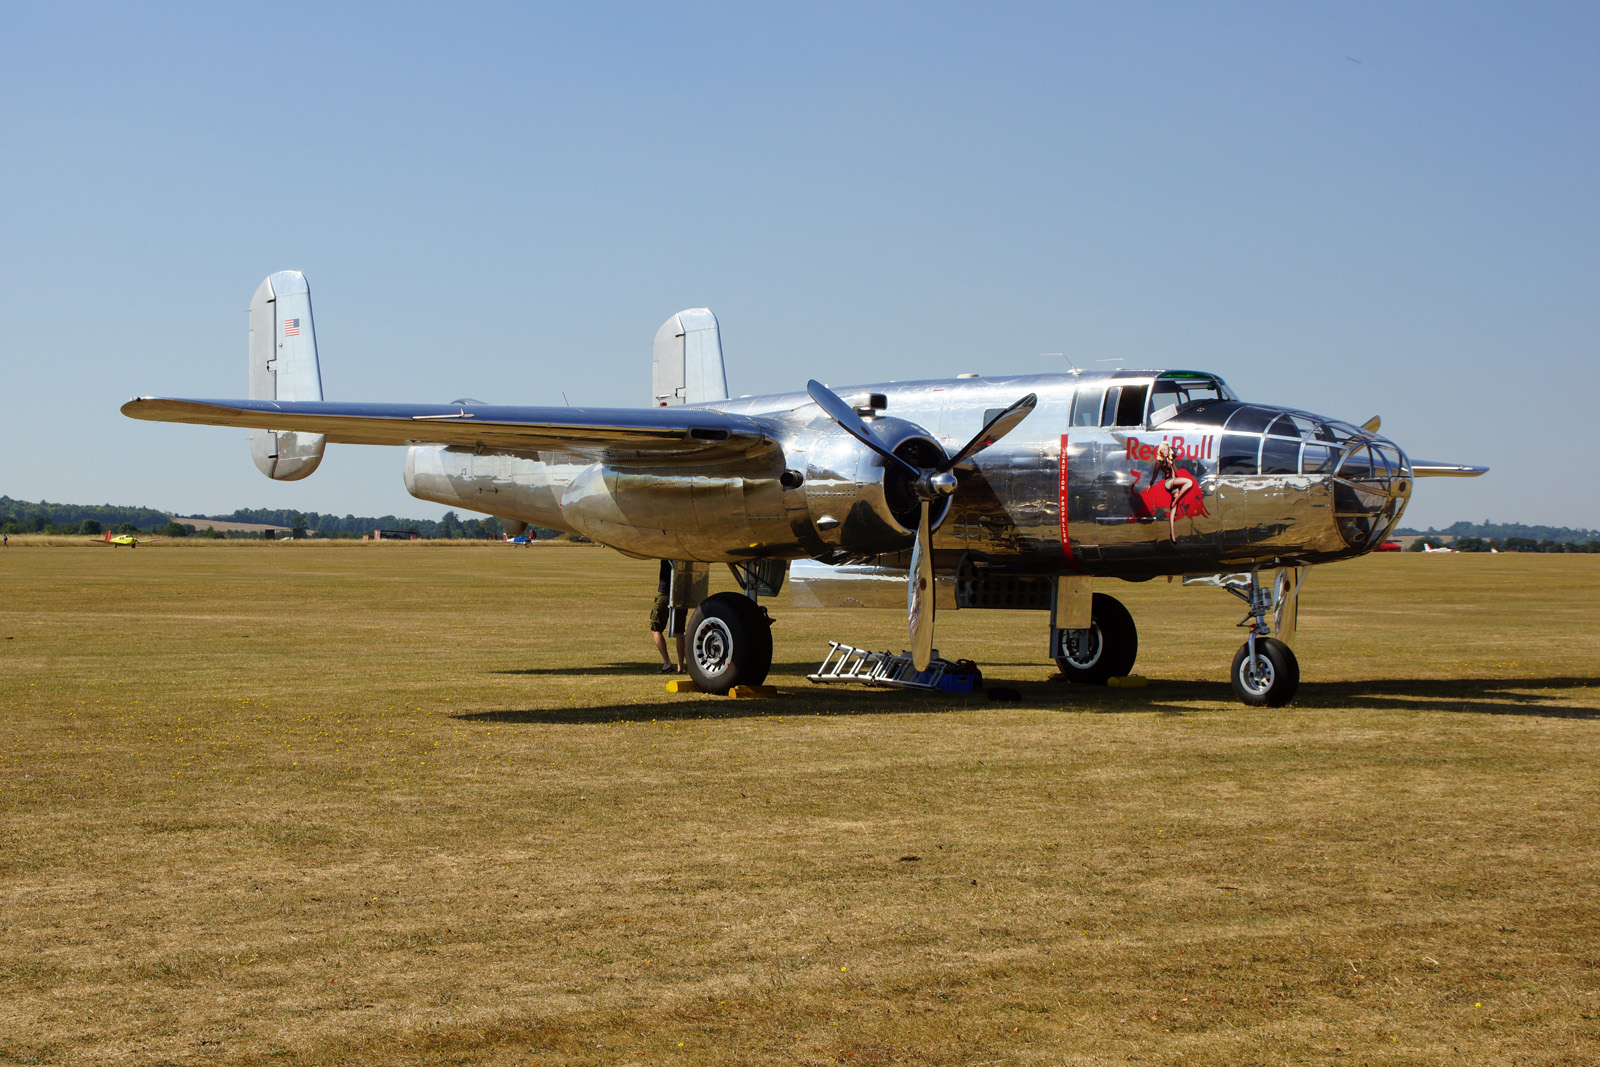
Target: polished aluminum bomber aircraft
{"points": [[869, 494]]}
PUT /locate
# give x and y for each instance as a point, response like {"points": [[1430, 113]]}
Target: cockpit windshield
{"points": [[1175, 390]]}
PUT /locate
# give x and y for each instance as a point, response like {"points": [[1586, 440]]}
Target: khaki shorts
{"points": [[658, 615]]}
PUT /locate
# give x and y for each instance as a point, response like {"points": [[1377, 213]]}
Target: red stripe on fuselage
{"points": [[1066, 543]]}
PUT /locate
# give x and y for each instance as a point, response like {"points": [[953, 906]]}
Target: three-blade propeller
{"points": [[929, 483]]}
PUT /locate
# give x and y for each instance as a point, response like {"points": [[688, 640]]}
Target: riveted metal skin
{"points": [[1052, 498], [1071, 491]]}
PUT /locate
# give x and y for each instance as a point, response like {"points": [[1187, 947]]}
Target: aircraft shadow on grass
{"points": [[641, 667], [824, 703], [1475, 696], [1471, 696]]}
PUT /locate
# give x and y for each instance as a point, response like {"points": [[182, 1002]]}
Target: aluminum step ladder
{"points": [[846, 663]]}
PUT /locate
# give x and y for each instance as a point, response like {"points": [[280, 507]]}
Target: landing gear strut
{"points": [[1265, 673]]}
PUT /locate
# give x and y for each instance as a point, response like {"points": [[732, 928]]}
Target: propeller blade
{"points": [[851, 423], [919, 595], [995, 429], [1372, 424]]}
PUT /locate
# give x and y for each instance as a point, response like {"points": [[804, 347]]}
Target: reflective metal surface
{"points": [[283, 366], [976, 492], [775, 477]]}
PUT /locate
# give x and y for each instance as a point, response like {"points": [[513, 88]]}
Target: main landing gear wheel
{"points": [[1106, 649], [1270, 680], [729, 643]]}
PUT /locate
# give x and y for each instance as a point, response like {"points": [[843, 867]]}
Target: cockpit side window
{"points": [[1164, 394], [1180, 388], [1130, 406]]}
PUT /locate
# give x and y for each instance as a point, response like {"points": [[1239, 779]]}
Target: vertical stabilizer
{"points": [[283, 366], [688, 360]]}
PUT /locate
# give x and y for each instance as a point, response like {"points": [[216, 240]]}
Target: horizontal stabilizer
{"points": [[610, 434], [1425, 468]]}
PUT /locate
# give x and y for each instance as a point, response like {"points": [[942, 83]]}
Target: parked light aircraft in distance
{"points": [[125, 539], [867, 494]]}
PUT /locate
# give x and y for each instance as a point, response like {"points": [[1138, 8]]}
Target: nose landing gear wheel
{"points": [[1106, 649], [730, 643], [1270, 680]]}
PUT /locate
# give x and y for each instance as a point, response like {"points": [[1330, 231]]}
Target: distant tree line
{"points": [[1507, 544], [450, 525], [23, 516], [1503, 532]]}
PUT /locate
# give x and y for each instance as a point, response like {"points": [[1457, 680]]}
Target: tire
{"points": [[1272, 680], [729, 643], [1110, 646]]}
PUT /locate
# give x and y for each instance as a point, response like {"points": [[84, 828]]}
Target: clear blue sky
{"points": [[1384, 208]]}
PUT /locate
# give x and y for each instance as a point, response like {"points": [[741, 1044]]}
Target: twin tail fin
{"points": [[283, 366]]}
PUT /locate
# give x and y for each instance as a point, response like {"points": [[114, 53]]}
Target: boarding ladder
{"points": [[845, 663]]}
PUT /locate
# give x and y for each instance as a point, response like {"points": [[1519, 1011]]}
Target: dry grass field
{"points": [[419, 804]]}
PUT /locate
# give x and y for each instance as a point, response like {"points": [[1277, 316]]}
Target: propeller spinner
{"points": [[929, 483]]}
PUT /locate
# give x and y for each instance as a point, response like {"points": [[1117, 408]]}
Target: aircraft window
{"points": [[1280, 456], [1343, 433], [1130, 408], [1304, 425], [1318, 459], [1108, 410], [1391, 456], [1165, 393], [1238, 454], [1357, 465], [1183, 387], [1086, 406], [1162, 414], [1283, 426], [1251, 419]]}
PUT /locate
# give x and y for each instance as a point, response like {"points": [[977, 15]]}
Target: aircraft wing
{"points": [[698, 434], [1427, 468]]}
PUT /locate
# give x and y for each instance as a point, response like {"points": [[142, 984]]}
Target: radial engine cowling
{"points": [[856, 504]]}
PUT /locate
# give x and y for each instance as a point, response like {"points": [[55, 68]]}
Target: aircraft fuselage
{"points": [[1075, 489]]}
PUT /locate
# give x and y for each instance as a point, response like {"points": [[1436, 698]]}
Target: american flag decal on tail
{"points": [[291, 327]]}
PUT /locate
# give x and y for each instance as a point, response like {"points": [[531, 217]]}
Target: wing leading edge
{"points": [[598, 433]]}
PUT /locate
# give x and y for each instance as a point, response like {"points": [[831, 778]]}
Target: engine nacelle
{"points": [[853, 502], [821, 493]]}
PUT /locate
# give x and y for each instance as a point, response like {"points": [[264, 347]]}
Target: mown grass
{"points": [[402, 804]]}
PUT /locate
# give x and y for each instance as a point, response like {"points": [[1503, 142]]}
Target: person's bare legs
{"points": [[682, 664], [1179, 488], [660, 640]]}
